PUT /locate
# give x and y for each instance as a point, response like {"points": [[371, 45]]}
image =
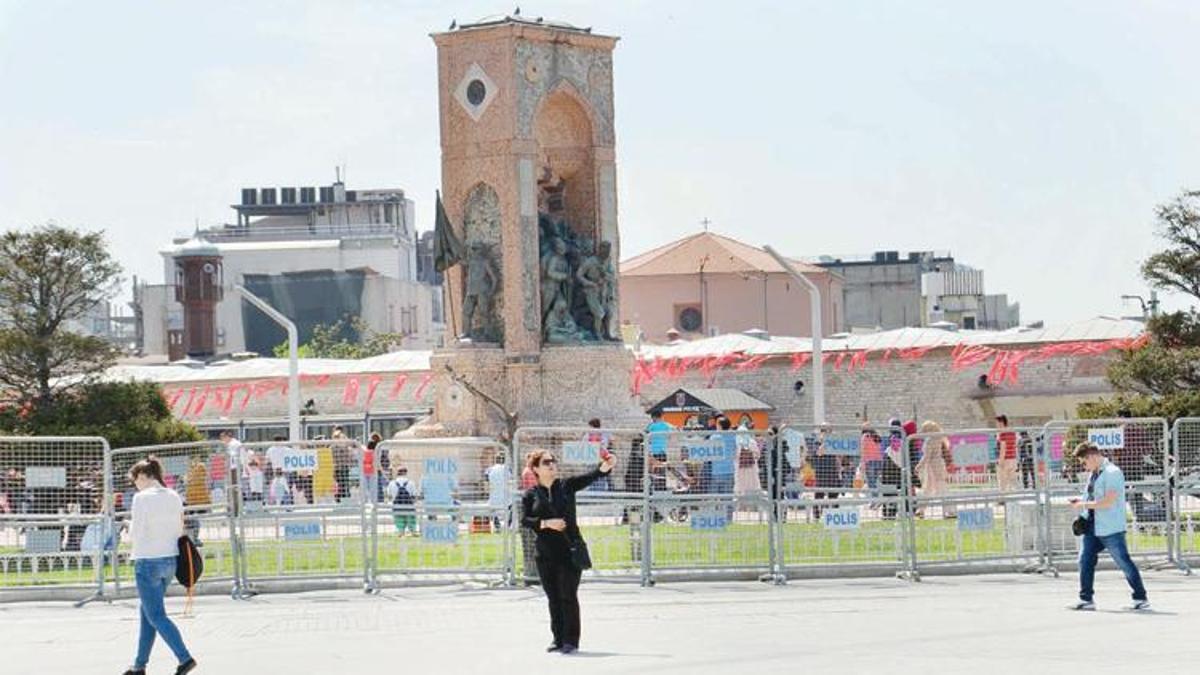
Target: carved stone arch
{"points": [[564, 128]]}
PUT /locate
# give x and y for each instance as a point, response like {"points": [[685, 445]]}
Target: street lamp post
{"points": [[818, 365], [293, 358]]}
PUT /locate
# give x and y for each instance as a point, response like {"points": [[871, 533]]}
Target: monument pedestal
{"points": [[566, 385]]}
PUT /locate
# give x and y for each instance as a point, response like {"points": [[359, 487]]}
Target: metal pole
{"points": [[817, 364], [293, 359]]}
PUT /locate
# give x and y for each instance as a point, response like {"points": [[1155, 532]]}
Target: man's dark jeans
{"points": [[1090, 553]]}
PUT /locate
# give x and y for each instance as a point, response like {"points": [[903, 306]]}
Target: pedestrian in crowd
{"points": [[402, 494], [891, 477], [548, 509], [324, 477], [236, 457], [383, 465], [498, 478], [343, 459], [871, 449], [1006, 463], [1103, 510], [745, 481], [255, 480], [717, 475], [276, 452], [656, 435], [370, 467], [827, 472], [602, 439], [931, 468], [1025, 455], [157, 525], [280, 492]]}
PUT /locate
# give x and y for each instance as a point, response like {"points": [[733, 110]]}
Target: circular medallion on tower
{"points": [[533, 72], [475, 91]]}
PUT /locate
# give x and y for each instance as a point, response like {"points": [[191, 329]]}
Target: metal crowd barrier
{"points": [[200, 473], [304, 517], [610, 512], [976, 500], [1140, 448], [446, 512], [796, 502], [840, 500], [54, 525], [1185, 435]]}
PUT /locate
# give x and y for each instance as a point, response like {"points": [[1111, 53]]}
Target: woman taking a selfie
{"points": [[548, 508], [157, 526]]}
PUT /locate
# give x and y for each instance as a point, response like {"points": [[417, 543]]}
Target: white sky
{"points": [[1032, 139]]}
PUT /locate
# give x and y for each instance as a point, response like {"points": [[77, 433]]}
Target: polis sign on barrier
{"points": [[848, 445], [302, 530], [709, 519], [1108, 438], [45, 477], [971, 453], [976, 520], [840, 519], [435, 532], [580, 452], [714, 451], [304, 459]]}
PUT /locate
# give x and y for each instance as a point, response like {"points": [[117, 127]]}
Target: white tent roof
{"points": [[1098, 329], [256, 369]]}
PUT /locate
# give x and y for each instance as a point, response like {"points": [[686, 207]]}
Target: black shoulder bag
{"points": [[190, 564]]}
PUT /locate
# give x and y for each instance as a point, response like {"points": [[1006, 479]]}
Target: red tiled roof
{"points": [[718, 254]]}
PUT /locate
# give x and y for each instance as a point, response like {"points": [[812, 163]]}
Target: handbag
{"points": [[580, 558], [1079, 526], [190, 564]]}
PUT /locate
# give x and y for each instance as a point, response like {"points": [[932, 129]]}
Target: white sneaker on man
{"points": [[1140, 606], [1084, 606]]}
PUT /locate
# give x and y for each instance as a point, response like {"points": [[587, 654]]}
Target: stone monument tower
{"points": [[529, 184]]}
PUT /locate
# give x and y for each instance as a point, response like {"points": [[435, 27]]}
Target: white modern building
{"points": [[317, 255]]}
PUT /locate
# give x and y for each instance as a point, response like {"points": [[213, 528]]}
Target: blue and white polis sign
{"points": [[976, 520], [1108, 438], [849, 445], [709, 519], [840, 519], [580, 452], [299, 459], [301, 530], [439, 532]]}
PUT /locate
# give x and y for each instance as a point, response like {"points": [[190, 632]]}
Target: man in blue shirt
{"points": [[1104, 511]]}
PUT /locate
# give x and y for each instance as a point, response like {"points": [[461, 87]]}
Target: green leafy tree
{"points": [[349, 338], [128, 414], [50, 276], [1163, 378]]}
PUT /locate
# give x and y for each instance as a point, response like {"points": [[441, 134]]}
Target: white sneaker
{"points": [[1084, 606], [1140, 606]]}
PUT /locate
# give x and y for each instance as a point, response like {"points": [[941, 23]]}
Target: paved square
{"points": [[1003, 623]]}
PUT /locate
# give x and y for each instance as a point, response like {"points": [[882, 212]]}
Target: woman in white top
{"points": [[157, 526]]}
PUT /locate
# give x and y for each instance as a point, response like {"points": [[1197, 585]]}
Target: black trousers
{"points": [[560, 580]]}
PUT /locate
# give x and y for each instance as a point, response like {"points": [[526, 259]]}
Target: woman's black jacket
{"points": [[558, 501]]}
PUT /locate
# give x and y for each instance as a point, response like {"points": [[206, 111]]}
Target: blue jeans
{"points": [[153, 576], [874, 471], [1090, 553]]}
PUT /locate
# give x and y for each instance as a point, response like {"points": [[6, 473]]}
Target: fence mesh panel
{"points": [[200, 473], [446, 510], [708, 501], [609, 511], [54, 528], [1138, 446], [1187, 484], [308, 520], [839, 496]]}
